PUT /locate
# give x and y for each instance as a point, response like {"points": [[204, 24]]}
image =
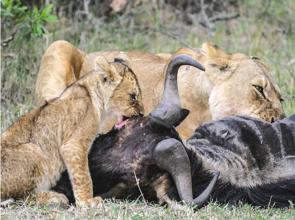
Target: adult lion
{"points": [[232, 83]]}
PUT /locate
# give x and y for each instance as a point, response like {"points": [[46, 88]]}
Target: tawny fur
{"points": [[225, 88], [56, 60], [37, 148]]}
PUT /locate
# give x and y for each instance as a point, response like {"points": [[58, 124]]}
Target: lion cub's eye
{"points": [[133, 97], [259, 89]]}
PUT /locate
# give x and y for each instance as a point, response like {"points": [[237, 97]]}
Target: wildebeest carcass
{"points": [[255, 159], [140, 154]]}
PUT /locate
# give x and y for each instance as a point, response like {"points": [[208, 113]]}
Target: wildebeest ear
{"points": [[183, 114]]}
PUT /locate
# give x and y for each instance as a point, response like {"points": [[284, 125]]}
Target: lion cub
{"points": [[37, 148]]}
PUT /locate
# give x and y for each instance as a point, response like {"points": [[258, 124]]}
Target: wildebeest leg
{"points": [[171, 156], [161, 186], [118, 191]]}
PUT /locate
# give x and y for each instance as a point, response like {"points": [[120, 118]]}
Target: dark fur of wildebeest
{"points": [[255, 159], [139, 155]]}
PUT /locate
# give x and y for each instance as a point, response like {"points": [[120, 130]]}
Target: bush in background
{"points": [[22, 21]]}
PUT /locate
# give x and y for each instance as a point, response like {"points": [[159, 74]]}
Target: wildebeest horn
{"points": [[169, 108], [171, 156], [204, 196]]}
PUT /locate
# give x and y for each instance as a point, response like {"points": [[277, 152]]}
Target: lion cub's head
{"points": [[119, 86], [242, 85]]}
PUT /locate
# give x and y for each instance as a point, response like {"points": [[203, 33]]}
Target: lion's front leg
{"points": [[75, 155]]}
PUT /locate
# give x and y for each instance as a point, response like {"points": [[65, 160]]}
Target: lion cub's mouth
{"points": [[122, 121]]}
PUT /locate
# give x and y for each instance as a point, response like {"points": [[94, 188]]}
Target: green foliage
{"points": [[28, 22], [12, 9], [37, 19]]}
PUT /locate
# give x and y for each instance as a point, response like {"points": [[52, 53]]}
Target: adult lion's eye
{"points": [[259, 89], [224, 67]]}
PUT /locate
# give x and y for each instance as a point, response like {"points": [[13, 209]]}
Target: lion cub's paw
{"points": [[92, 202], [52, 198]]}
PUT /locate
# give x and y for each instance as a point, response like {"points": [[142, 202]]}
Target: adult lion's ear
{"points": [[106, 72], [213, 52], [215, 57]]}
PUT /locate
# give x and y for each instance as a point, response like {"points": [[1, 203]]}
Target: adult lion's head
{"points": [[242, 85]]}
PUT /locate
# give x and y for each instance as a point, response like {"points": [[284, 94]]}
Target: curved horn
{"points": [[169, 108], [170, 155], [204, 196]]}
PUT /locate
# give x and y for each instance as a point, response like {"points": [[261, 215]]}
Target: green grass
{"points": [[267, 33], [139, 210]]}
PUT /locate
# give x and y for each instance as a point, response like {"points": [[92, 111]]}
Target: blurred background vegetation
{"points": [[262, 28]]}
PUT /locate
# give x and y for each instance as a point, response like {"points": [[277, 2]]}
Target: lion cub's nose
{"points": [[140, 110]]}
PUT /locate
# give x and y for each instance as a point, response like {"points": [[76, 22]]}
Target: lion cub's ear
{"points": [[101, 64], [105, 70], [124, 59]]}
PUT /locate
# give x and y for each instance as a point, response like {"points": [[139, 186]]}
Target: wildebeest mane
{"points": [[247, 151], [256, 160]]}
